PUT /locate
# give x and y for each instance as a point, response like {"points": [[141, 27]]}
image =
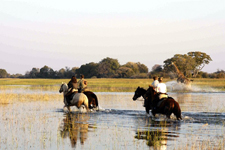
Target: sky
{"points": [[71, 33]]}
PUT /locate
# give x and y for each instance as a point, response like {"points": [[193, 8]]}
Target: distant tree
{"points": [[133, 66], [157, 68], [200, 59], [188, 64], [3, 73], [88, 70], [124, 72], [142, 68], [107, 67], [61, 73], [34, 73], [17, 76], [47, 72]]}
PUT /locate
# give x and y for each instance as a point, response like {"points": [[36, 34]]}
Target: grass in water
{"points": [[101, 84]]}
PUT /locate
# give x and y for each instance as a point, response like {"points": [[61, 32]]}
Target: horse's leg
{"points": [[68, 107], [167, 111], [147, 109], [177, 111], [153, 112]]}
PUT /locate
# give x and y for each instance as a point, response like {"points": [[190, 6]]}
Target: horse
{"points": [[92, 99], [166, 106], [77, 100]]}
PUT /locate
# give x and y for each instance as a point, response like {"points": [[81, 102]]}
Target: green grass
{"points": [[101, 85]]}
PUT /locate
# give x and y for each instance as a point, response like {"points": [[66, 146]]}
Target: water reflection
{"points": [[156, 133], [75, 127]]}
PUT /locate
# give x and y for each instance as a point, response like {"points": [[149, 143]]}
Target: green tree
{"points": [[124, 72], [188, 64], [142, 68], [61, 73], [200, 59], [88, 70], [47, 72], [107, 67], [133, 66], [34, 73], [3, 73]]}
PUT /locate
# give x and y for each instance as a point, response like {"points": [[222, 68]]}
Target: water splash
{"points": [[173, 86]]}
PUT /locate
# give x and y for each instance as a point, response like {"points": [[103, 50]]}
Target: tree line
{"points": [[189, 64]]}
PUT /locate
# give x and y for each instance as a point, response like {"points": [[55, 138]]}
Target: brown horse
{"points": [[166, 106], [92, 99]]}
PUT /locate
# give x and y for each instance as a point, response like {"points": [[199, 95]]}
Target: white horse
{"points": [[78, 99]]}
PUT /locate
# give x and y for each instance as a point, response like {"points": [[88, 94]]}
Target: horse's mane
{"points": [[141, 88]]}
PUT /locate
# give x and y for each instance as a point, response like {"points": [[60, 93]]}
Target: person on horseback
{"points": [[155, 82], [82, 84], [161, 89], [72, 88]]}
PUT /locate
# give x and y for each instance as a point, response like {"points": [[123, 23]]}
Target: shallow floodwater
{"points": [[121, 123]]}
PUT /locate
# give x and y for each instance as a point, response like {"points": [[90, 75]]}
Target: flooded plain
{"points": [[121, 123]]}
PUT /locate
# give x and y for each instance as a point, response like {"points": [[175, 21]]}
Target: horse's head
{"points": [[138, 93], [63, 88]]}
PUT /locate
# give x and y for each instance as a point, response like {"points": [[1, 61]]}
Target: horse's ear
{"points": [[138, 87]]}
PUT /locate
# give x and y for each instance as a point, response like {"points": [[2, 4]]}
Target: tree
{"points": [[47, 72], [188, 64], [34, 73], [157, 68], [3, 73], [88, 70], [142, 68], [107, 67], [124, 72], [61, 73], [201, 59], [133, 66]]}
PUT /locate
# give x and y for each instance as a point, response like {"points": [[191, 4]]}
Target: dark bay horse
{"points": [[166, 106], [92, 99]]}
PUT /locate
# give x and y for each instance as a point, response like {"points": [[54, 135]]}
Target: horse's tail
{"points": [[177, 110]]}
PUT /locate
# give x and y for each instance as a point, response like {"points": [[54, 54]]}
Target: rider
{"points": [[161, 89], [82, 84], [72, 87], [155, 82]]}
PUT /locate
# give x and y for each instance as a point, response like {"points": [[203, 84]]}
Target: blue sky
{"points": [[72, 33]]}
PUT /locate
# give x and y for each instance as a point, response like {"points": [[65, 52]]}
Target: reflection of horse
{"points": [[77, 100], [166, 106], [156, 133], [75, 127], [154, 138]]}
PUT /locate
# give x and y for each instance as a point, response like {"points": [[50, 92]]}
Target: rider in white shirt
{"points": [[155, 82], [161, 89]]}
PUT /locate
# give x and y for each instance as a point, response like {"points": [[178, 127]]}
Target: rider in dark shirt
{"points": [[72, 87]]}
